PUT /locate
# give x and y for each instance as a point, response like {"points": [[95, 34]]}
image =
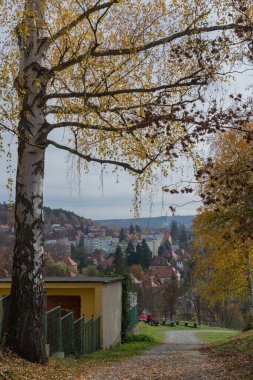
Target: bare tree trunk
{"points": [[26, 321]]}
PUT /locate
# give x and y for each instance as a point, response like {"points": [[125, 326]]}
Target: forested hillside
{"points": [[155, 222], [52, 216]]}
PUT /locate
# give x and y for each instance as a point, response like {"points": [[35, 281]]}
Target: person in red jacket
{"points": [[149, 317]]}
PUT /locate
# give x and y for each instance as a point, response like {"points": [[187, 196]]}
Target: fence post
{"points": [[92, 334], [99, 332], [72, 332], [45, 329], [83, 335], [45, 317], [60, 330]]}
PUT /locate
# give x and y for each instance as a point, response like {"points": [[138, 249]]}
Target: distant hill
{"points": [[155, 222], [52, 216]]}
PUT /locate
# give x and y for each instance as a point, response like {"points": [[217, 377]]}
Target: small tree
{"points": [[169, 297], [137, 272]]}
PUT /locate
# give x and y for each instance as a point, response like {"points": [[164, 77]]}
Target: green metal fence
{"points": [[89, 334], [79, 336], [63, 334], [86, 335], [67, 324], [97, 333], [133, 318], [54, 330], [4, 306]]}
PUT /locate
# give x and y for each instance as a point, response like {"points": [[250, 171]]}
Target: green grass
{"points": [[145, 328], [135, 346], [242, 343], [211, 337]]}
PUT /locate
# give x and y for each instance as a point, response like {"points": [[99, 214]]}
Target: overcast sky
{"points": [[114, 200]]}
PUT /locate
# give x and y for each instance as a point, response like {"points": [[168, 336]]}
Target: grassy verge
{"points": [[135, 346], [236, 354], [242, 343], [215, 336]]}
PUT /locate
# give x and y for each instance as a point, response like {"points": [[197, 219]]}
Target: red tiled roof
{"points": [[67, 260]]}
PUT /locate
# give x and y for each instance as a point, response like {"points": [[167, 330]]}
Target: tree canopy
{"points": [[116, 73], [126, 83], [223, 228]]}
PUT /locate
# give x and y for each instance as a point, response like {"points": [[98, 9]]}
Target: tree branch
{"points": [[88, 95], [79, 19], [89, 158], [138, 49]]}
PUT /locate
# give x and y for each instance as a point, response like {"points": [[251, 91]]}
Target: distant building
{"points": [[106, 244], [153, 241], [72, 265], [165, 274], [89, 245], [159, 261]]}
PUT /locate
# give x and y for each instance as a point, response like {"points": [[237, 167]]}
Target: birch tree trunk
{"points": [[26, 319]]}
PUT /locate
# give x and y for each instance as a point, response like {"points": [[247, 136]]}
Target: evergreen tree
{"points": [[138, 255], [122, 235], [161, 250], [131, 229], [137, 228], [80, 255], [182, 237], [72, 251], [87, 229], [82, 227], [174, 231], [119, 261], [164, 248], [145, 255], [130, 254]]}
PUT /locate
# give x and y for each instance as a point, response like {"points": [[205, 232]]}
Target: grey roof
{"points": [[76, 279]]}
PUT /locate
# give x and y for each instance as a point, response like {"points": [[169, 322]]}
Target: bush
{"points": [[139, 338]]}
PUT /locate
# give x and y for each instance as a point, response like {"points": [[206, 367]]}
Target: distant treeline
{"points": [[52, 216], [155, 222]]}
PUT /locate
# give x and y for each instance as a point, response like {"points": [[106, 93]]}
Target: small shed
{"points": [[88, 296]]}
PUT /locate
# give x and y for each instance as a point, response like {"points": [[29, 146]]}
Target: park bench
{"points": [[154, 323]]}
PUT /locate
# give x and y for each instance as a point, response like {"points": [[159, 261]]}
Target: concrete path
{"points": [[177, 358]]}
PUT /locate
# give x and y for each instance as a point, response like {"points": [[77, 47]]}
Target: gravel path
{"points": [[177, 358]]}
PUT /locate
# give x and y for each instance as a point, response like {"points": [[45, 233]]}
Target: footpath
{"points": [[178, 358]]}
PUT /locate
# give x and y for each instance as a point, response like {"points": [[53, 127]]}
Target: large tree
{"points": [[223, 228], [122, 78]]}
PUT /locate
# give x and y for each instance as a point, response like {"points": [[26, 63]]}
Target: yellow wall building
{"points": [[88, 296]]}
